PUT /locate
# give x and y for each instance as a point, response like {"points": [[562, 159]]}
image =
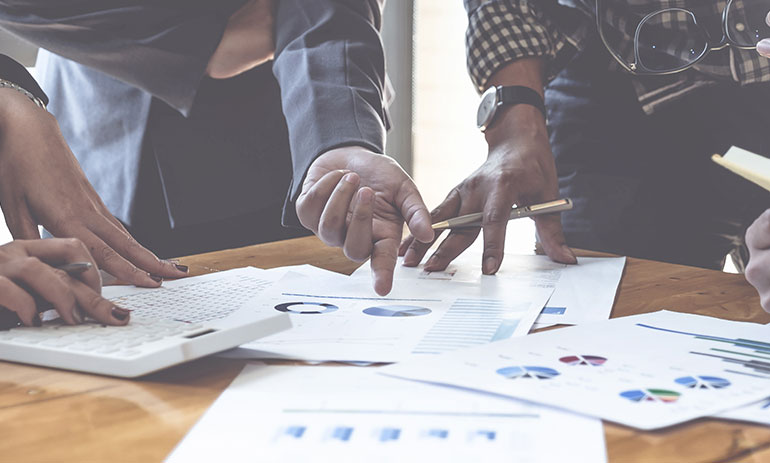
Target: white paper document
{"points": [[349, 414], [337, 318], [647, 371], [758, 412], [582, 293]]}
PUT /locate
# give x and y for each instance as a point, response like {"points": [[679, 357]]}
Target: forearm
{"points": [[330, 65]]}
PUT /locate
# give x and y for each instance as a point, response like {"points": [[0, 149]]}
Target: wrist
{"points": [[519, 123]]}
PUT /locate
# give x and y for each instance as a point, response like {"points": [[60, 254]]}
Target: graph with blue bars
{"points": [[751, 355], [469, 322], [295, 431], [342, 433], [389, 434], [437, 433]]}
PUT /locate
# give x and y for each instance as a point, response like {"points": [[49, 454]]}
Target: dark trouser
{"points": [[645, 186]]}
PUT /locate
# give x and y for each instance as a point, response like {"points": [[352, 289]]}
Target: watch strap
{"points": [[518, 94]]}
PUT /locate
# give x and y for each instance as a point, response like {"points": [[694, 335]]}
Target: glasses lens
{"points": [[670, 40], [746, 22]]}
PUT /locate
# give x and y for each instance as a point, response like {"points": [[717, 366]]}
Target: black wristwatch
{"points": [[495, 97]]}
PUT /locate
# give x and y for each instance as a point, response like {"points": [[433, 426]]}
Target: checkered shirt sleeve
{"points": [[501, 31]]}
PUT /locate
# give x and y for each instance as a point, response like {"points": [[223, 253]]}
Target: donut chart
{"points": [[306, 308]]}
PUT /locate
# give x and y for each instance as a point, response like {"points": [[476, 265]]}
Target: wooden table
{"points": [[51, 415]]}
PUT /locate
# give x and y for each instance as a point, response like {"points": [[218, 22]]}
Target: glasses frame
{"points": [[638, 68]]}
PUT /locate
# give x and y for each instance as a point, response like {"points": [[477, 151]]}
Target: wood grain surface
{"points": [[51, 415]]}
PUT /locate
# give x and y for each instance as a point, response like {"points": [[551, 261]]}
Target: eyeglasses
{"points": [[671, 40]]}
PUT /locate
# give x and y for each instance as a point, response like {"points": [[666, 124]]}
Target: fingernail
{"points": [[490, 265], [120, 314], [350, 178], [409, 256], [182, 268], [431, 262], [77, 315], [36, 321], [763, 48], [157, 278], [366, 196]]}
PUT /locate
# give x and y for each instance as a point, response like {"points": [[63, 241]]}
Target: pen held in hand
{"points": [[475, 220], [9, 319]]}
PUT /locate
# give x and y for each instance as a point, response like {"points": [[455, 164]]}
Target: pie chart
{"points": [[397, 311], [703, 382], [651, 395], [593, 360], [528, 372], [306, 308]]}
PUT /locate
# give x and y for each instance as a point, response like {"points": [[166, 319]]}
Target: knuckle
{"points": [[753, 272], [96, 302], [496, 215], [73, 244], [30, 266]]}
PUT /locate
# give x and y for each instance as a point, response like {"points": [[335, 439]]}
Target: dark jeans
{"points": [[645, 186]]}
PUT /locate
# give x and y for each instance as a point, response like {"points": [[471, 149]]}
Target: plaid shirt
{"points": [[500, 31]]}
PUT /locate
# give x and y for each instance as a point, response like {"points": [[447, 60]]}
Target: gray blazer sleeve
{"points": [[161, 47], [330, 66]]}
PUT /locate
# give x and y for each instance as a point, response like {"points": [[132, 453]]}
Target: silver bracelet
{"points": [[9, 84]]}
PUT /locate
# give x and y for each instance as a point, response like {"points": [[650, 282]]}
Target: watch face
{"points": [[487, 108]]}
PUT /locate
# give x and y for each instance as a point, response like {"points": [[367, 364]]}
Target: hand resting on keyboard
{"points": [[28, 280]]}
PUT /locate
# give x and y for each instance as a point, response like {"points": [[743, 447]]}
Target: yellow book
{"points": [[748, 165]]}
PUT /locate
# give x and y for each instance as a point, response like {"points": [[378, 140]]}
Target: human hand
{"points": [[43, 184], [247, 42], [27, 274], [519, 170], [358, 200], [758, 268], [763, 47]]}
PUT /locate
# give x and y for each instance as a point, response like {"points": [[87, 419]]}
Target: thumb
{"points": [[415, 213]]}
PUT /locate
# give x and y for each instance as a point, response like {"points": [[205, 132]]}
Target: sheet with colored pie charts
{"points": [[338, 318], [647, 371]]}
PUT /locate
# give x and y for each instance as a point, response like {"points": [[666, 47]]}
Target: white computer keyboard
{"points": [[183, 320], [193, 303], [143, 334]]}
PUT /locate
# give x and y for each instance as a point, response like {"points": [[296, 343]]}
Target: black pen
{"points": [[9, 319]]}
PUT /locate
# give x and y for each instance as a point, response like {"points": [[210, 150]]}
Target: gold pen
{"points": [[474, 220]]}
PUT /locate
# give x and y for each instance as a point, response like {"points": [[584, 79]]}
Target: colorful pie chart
{"points": [[593, 360], [703, 382], [397, 311], [651, 395], [306, 308], [528, 372]]}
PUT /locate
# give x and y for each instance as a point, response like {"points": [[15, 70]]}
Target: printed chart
{"points": [[295, 414], [528, 372], [664, 368], [337, 318]]}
